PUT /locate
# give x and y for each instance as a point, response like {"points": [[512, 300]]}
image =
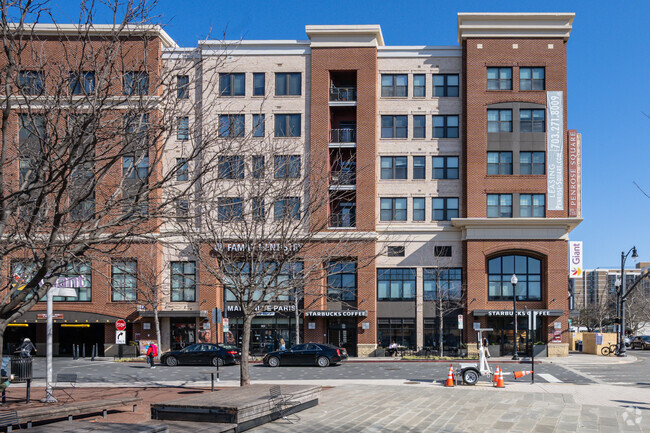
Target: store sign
{"points": [[337, 313], [508, 313], [263, 247], [575, 259], [573, 172], [55, 316], [271, 308], [554, 150]]}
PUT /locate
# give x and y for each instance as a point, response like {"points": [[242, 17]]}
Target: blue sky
{"points": [[608, 89]]}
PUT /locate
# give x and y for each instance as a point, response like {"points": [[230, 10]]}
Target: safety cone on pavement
{"points": [[519, 374], [496, 376], [500, 383], [450, 376]]}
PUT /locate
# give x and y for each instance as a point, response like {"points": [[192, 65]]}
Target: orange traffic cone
{"points": [[496, 376], [450, 376], [500, 383], [519, 374]]}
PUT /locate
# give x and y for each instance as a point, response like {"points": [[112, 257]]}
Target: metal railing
{"points": [[343, 94], [346, 135], [343, 178], [341, 220]]}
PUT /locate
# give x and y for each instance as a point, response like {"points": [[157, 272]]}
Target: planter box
{"points": [[495, 350], [540, 350]]}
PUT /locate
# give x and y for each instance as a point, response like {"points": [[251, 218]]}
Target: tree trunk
{"points": [[297, 318], [157, 325], [3, 327], [440, 326], [244, 375]]}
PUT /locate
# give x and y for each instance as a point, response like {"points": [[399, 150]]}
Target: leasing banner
{"points": [[554, 150]]}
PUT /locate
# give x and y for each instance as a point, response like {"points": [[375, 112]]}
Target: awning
{"points": [[172, 313], [68, 317], [522, 312]]}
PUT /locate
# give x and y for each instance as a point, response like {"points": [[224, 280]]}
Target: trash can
{"points": [[21, 368], [579, 344]]}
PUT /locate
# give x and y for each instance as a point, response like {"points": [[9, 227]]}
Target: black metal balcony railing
{"points": [[343, 220], [342, 178], [346, 135], [343, 94]]}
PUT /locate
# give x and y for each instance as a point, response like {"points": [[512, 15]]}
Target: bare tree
{"points": [[597, 314]]}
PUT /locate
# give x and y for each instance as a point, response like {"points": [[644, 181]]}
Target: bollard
{"points": [[84, 351], [92, 355]]}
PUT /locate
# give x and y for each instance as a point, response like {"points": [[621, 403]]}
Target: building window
{"points": [[499, 205], [342, 280], [183, 132], [182, 208], [394, 167], [529, 276], [499, 121], [499, 78], [499, 163], [124, 281], [419, 127], [394, 126], [532, 205], [419, 86], [442, 251], [396, 251], [231, 167], [78, 276], [259, 210], [258, 166], [232, 84], [445, 208], [136, 83], [532, 163], [395, 284], [532, 79], [32, 129], [532, 120], [419, 167], [445, 85], [231, 125], [82, 83], [287, 166], [419, 209], [445, 167], [394, 85], [30, 82], [183, 86], [258, 125], [445, 283], [287, 208], [182, 169], [287, 125], [288, 84], [259, 84], [135, 166], [393, 209], [229, 208], [183, 281], [445, 126]]}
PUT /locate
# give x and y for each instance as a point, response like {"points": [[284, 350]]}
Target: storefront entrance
{"points": [[182, 332], [504, 332], [88, 334], [343, 333]]}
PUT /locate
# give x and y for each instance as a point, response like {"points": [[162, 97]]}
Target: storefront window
{"points": [[529, 274], [397, 284], [450, 333], [182, 332], [400, 331], [266, 333], [504, 331]]}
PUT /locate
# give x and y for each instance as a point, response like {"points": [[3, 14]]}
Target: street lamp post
{"points": [[513, 281], [621, 297]]}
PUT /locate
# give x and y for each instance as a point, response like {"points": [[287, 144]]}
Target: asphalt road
{"points": [[635, 374]]}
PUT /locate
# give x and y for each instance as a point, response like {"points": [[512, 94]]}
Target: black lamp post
{"points": [[621, 297], [513, 281]]}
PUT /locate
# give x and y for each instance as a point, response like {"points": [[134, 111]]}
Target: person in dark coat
{"points": [[26, 348]]}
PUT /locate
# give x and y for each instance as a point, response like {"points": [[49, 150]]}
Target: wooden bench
{"points": [[29, 416]]}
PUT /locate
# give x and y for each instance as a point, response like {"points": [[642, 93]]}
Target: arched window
{"points": [[528, 271]]}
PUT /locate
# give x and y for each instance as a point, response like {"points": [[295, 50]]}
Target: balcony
{"points": [[343, 180], [343, 96], [343, 220], [346, 137]]}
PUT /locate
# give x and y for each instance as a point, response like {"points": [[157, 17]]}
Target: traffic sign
{"points": [[120, 337], [224, 321], [120, 325], [460, 321]]}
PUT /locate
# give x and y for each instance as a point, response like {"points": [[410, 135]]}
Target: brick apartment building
{"points": [[454, 165]]}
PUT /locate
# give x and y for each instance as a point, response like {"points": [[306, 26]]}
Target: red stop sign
{"points": [[120, 325]]}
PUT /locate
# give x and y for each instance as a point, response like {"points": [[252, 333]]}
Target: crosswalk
{"points": [[549, 378]]}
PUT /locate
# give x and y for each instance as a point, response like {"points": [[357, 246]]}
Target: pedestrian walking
{"points": [[283, 346], [152, 352], [26, 348]]}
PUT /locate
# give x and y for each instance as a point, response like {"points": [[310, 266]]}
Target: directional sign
{"points": [[120, 337], [120, 325]]}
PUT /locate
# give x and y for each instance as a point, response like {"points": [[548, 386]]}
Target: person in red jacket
{"points": [[152, 352]]}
